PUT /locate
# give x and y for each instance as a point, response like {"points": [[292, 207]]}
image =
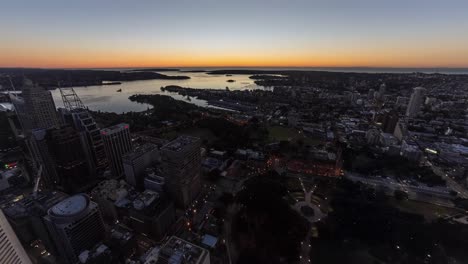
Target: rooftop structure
{"points": [[114, 129], [180, 144], [153, 181], [139, 151], [70, 206], [179, 251], [75, 225], [149, 212], [98, 254]]}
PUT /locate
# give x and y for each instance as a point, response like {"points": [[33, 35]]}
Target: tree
{"points": [[400, 195]]}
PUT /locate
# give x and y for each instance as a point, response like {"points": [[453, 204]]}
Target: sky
{"points": [[217, 33]]}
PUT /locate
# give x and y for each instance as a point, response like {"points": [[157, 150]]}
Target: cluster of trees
{"points": [[164, 108], [367, 163], [266, 229], [232, 136], [361, 221]]}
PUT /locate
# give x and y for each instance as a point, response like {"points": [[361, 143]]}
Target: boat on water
{"points": [[119, 90]]}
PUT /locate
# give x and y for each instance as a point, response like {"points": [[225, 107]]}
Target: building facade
{"points": [[181, 165], [416, 101], [90, 136], [136, 162], [11, 250], [63, 160], [36, 107], [117, 142]]}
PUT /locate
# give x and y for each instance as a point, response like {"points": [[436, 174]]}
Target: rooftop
{"points": [[115, 128], [144, 199], [180, 143], [139, 151], [70, 206], [177, 250]]}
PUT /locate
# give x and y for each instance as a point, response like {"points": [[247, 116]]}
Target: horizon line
{"points": [[247, 67]]}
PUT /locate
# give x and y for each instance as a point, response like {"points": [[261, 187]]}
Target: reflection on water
{"points": [[106, 98]]}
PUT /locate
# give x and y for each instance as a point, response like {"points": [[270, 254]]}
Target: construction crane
{"points": [[11, 82], [70, 99]]}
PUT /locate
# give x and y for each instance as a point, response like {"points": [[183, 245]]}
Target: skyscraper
{"points": [[75, 225], [69, 158], [11, 250], [90, 138], [59, 152], [416, 100], [381, 92], [35, 107], [117, 142], [76, 114], [181, 164]]}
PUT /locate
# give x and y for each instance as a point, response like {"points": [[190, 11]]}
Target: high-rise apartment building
{"points": [[416, 101], [75, 225], [11, 250], [181, 164], [117, 142]]}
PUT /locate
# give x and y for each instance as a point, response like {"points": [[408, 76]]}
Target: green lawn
{"points": [[429, 211], [279, 133]]}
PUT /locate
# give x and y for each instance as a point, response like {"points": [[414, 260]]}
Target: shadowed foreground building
{"points": [[26, 217], [75, 225], [11, 250], [62, 157]]}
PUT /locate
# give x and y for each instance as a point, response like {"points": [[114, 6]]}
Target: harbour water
{"points": [[106, 98]]}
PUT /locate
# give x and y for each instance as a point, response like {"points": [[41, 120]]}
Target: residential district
{"points": [[319, 168]]}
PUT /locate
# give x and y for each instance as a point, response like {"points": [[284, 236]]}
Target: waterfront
{"points": [[106, 98]]}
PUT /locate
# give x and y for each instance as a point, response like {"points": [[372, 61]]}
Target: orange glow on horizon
{"points": [[67, 58]]}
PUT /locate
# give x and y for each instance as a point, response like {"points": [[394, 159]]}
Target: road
{"points": [[434, 195], [462, 191]]}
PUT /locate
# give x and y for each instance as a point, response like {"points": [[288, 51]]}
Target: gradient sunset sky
{"points": [[175, 33]]}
